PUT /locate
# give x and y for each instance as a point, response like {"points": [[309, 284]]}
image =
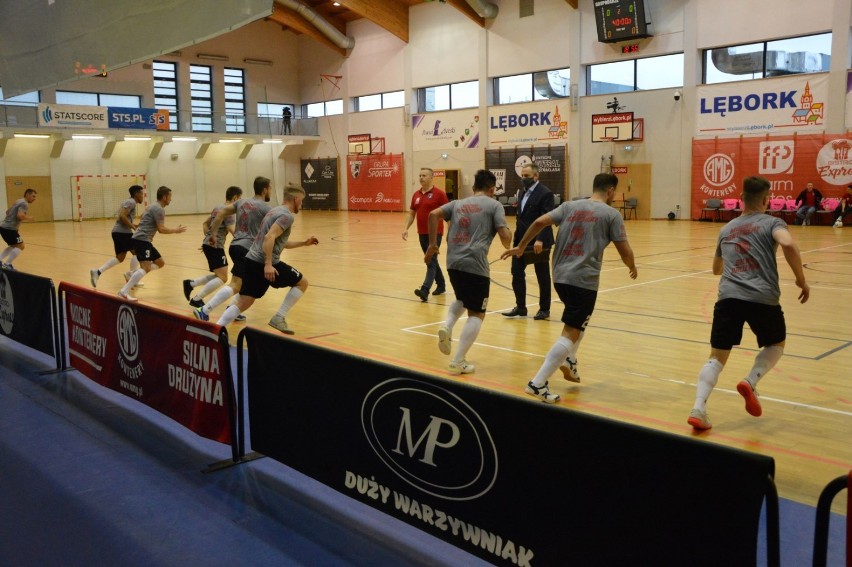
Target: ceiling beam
{"points": [[572, 3], [287, 17], [389, 14], [466, 9]]}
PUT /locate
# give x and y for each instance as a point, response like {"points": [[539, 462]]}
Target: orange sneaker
{"points": [[699, 420], [752, 403]]}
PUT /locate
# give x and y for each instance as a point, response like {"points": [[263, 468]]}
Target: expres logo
{"points": [[7, 305], [776, 157], [718, 169], [128, 333], [834, 162], [430, 438]]}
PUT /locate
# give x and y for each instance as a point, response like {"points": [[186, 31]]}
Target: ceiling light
{"points": [[137, 138], [272, 141], [257, 61], [230, 140], [336, 3], [213, 57], [32, 135], [184, 139], [87, 137]]}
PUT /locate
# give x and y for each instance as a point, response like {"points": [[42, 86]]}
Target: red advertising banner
{"points": [[375, 182], [789, 162], [170, 363]]}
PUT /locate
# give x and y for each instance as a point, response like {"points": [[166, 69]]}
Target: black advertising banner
{"points": [[513, 481], [320, 180], [506, 163], [168, 362], [25, 310]]}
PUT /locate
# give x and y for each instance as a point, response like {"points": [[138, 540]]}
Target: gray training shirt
{"points": [[473, 223], [280, 216], [222, 232], [128, 206], [586, 228], [748, 251], [11, 222], [154, 215], [250, 213]]}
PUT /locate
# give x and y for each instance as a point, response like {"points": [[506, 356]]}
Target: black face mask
{"points": [[528, 182]]}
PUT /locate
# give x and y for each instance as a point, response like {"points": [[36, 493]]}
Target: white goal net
{"points": [[98, 196]]}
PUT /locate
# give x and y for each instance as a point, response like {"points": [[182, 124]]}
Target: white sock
{"points": [[294, 295], [112, 262], [134, 263], [234, 301], [6, 253], [135, 278], [13, 254], [229, 315], [221, 297], [455, 311], [203, 280], [467, 337], [208, 288], [765, 361], [553, 360], [707, 379]]}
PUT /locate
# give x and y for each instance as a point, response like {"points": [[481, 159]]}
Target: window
{"points": [[235, 100], [26, 99], [272, 109], [201, 93], [448, 97], [636, 74], [542, 85], [98, 99], [165, 90], [378, 101], [807, 54], [329, 108]]}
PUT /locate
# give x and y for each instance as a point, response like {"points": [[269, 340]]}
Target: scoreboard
{"points": [[620, 20]]}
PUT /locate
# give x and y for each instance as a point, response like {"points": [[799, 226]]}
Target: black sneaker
{"points": [[515, 312], [187, 288], [422, 294], [196, 302], [439, 291]]}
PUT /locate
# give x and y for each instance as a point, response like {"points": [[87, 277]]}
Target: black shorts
{"points": [[237, 254], [579, 304], [256, 285], [471, 289], [765, 321], [215, 257], [11, 236], [145, 251], [122, 242]]}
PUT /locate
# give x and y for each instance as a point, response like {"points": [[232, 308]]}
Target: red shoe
{"points": [[699, 420], [752, 404]]}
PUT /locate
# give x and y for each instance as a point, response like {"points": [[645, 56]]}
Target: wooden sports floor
{"points": [[645, 344]]}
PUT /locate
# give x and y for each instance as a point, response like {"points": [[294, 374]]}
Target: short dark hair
{"points": [[29, 191], [232, 191], [260, 183], [135, 189], [604, 181], [754, 188], [484, 179], [162, 192]]}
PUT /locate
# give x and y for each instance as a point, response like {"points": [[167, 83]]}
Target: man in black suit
{"points": [[535, 200]]}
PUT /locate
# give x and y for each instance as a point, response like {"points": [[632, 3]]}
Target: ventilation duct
{"points": [[332, 33], [484, 9], [777, 62]]}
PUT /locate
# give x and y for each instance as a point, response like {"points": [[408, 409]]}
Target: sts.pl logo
{"points": [[776, 157]]}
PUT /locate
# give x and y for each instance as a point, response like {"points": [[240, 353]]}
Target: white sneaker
{"points": [[838, 223], [444, 339], [463, 367], [542, 393], [126, 296], [569, 370], [93, 276], [280, 323]]}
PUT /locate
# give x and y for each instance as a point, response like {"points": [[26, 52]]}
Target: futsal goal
{"points": [[98, 196]]}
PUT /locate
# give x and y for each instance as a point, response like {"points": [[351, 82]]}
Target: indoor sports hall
{"points": [[133, 433]]}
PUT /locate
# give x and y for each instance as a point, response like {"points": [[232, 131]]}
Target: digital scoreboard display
{"points": [[620, 20]]}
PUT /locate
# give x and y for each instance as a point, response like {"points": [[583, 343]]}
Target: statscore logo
{"points": [[430, 438]]}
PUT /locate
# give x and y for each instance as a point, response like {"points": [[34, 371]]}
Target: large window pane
{"points": [[809, 54], [333, 107], [659, 72], [369, 102], [614, 77], [393, 100], [436, 98], [737, 63], [67, 97], [26, 99], [555, 83], [122, 101], [315, 109], [515, 88], [465, 95], [165, 90]]}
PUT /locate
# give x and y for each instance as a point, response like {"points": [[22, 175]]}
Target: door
{"points": [[634, 180], [42, 207]]}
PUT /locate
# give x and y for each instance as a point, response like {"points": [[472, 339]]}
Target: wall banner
{"points": [[320, 182], [552, 165], [445, 130], [796, 103], [168, 362], [789, 162], [70, 116], [529, 123], [375, 182], [138, 118]]}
